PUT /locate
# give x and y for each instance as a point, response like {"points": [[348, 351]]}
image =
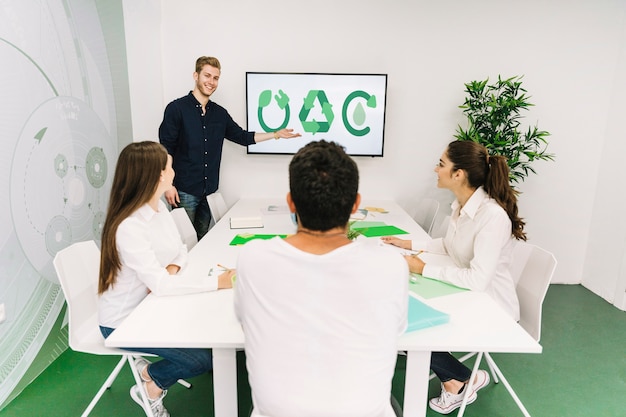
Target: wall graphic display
{"points": [[59, 149], [345, 108]]}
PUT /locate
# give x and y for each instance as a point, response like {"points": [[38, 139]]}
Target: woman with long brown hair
{"points": [[483, 227], [141, 250]]}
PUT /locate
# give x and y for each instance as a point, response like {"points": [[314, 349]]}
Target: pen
{"points": [[223, 267]]}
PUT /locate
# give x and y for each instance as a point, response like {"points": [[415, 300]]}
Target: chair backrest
{"points": [[78, 267], [425, 213], [440, 228], [217, 205], [519, 256], [185, 227], [532, 287]]}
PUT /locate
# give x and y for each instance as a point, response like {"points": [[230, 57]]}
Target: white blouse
{"points": [[148, 241], [480, 242]]}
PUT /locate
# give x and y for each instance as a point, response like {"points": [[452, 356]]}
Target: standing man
{"points": [[193, 132], [321, 314]]}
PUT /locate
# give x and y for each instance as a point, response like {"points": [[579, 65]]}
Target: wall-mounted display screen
{"points": [[345, 108]]}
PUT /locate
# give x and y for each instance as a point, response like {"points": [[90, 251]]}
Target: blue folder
{"points": [[422, 315]]}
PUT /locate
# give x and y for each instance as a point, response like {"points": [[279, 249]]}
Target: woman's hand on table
{"points": [[401, 243], [225, 279]]}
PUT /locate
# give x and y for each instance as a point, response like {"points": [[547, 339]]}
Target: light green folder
{"points": [[431, 288], [362, 224], [421, 315]]}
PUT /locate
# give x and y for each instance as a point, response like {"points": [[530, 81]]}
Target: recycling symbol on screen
{"points": [[314, 126]]}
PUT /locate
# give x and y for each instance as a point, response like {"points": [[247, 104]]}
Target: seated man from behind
{"points": [[321, 313]]}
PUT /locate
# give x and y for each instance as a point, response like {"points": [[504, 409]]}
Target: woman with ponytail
{"points": [[483, 227]]}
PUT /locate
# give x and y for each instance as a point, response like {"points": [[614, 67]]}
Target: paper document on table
{"points": [[422, 315], [246, 222], [273, 209], [360, 214], [376, 210]]}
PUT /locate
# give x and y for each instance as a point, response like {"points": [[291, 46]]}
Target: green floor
{"points": [[581, 373]]}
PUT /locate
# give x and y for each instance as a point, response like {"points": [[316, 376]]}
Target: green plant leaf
{"points": [[494, 119]]}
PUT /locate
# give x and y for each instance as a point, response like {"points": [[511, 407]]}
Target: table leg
{"points": [[416, 384], [225, 382]]}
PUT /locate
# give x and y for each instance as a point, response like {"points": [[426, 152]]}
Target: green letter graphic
{"points": [[359, 112], [265, 98]]}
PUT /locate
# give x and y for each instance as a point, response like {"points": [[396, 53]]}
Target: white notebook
{"points": [[246, 222]]}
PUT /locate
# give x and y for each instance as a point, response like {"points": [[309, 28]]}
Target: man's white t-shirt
{"points": [[321, 330]]}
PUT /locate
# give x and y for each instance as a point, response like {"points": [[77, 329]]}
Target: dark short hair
{"points": [[324, 183]]}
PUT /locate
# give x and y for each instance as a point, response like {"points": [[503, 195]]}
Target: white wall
{"points": [[567, 51], [605, 262], [142, 20]]}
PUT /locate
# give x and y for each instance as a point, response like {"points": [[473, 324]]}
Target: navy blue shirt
{"points": [[195, 142]]}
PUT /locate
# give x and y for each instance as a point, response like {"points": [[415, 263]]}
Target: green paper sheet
{"points": [[380, 231], [362, 224], [243, 239], [431, 288]]}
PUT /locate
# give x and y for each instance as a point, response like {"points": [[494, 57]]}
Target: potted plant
{"points": [[494, 119]]}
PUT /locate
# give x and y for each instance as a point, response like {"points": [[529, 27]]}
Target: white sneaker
{"points": [[481, 380], [140, 364], [158, 409], [447, 402]]}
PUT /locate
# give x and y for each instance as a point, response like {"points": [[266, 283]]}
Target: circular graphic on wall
{"points": [[60, 167], [59, 135]]}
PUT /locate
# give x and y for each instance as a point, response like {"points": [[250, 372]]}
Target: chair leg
{"points": [[180, 381], [467, 356], [146, 404], [107, 384], [470, 384], [491, 365], [508, 386]]}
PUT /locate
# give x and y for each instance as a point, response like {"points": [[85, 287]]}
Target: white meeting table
{"points": [[207, 320]]}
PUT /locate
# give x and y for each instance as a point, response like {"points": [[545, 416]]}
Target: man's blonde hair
{"points": [[207, 60]]}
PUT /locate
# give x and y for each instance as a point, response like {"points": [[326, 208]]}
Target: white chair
{"points": [[77, 267], [217, 205], [185, 227], [425, 213], [440, 228], [531, 290]]}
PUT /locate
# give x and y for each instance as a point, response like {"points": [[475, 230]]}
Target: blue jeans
{"points": [[176, 363], [197, 209], [447, 367]]}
